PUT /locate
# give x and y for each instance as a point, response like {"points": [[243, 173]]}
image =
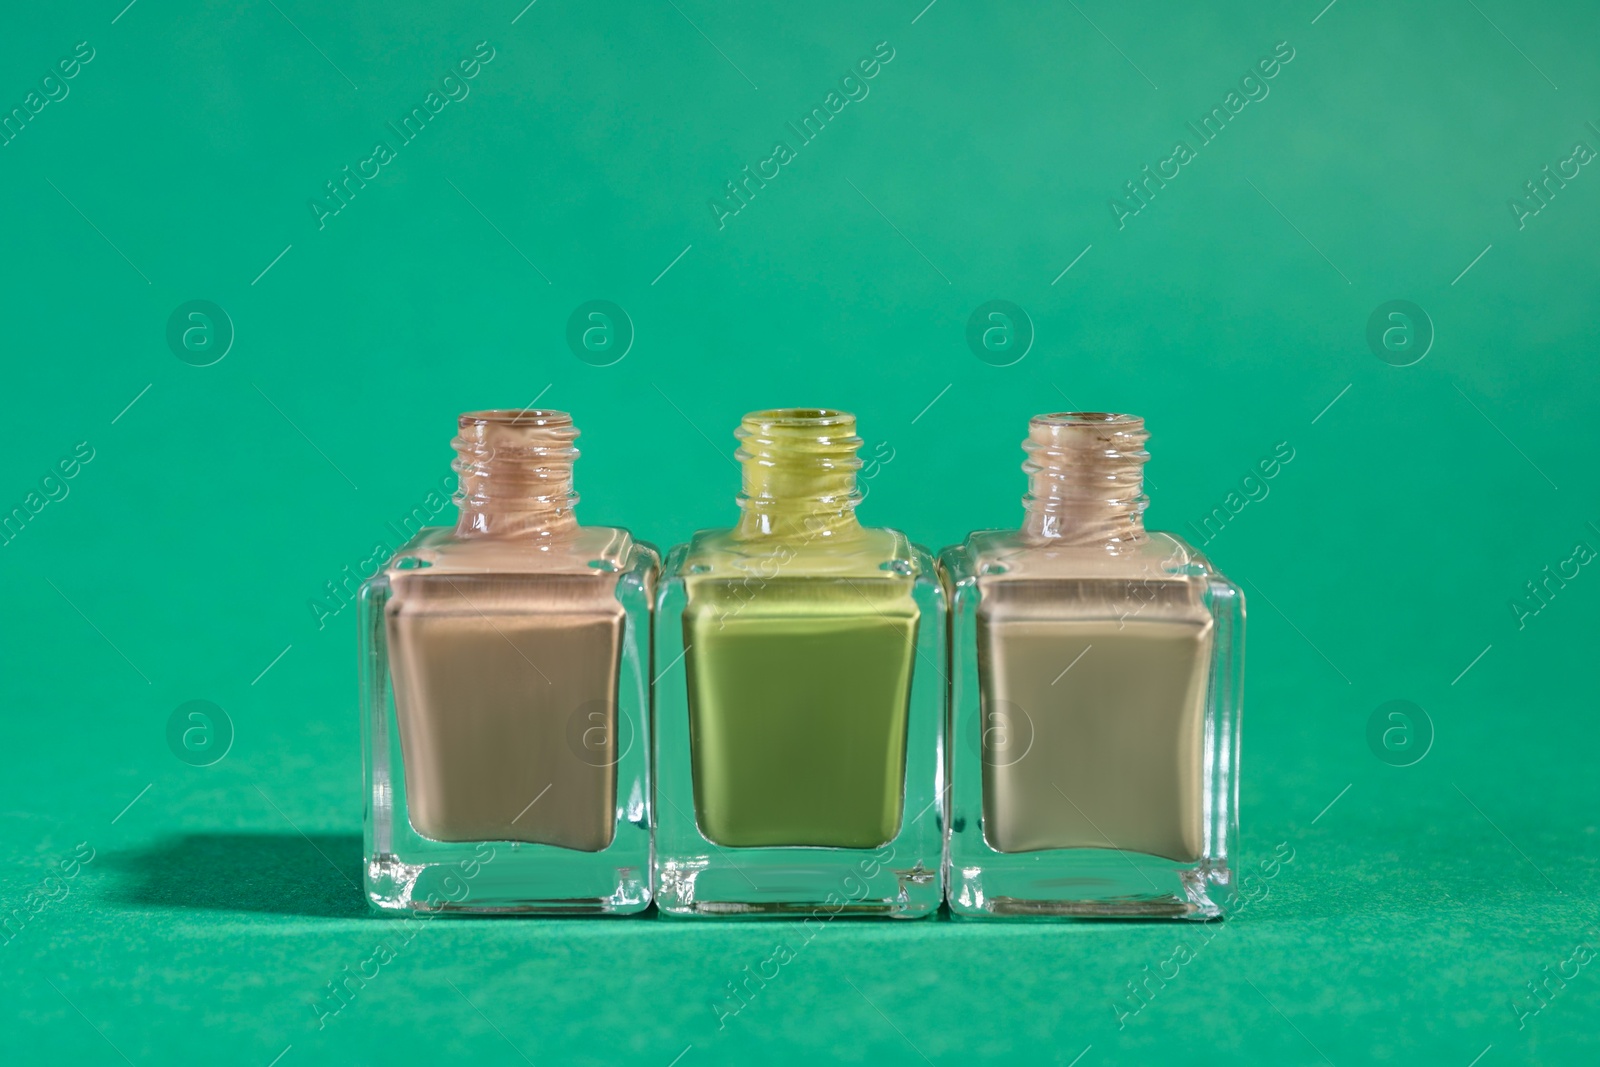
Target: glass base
{"points": [[505, 878], [1088, 883], [786, 883]]}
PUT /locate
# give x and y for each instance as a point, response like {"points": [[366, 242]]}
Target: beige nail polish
{"points": [[1095, 697], [506, 663]]}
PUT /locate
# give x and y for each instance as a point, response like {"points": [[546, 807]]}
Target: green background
{"points": [[1230, 312]]}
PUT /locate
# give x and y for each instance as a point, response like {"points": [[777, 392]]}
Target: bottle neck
{"points": [[799, 475], [514, 470], [1085, 478]]}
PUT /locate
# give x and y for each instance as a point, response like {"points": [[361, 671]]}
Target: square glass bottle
{"points": [[1095, 682], [505, 677], [800, 711]]}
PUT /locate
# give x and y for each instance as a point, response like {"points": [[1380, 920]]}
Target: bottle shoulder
{"points": [[869, 552], [1161, 578], [591, 550], [877, 574], [1010, 555]]}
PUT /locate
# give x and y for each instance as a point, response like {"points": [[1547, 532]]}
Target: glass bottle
{"points": [[1095, 675], [800, 714], [505, 693]]}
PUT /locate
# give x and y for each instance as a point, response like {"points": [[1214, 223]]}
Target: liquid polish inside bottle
{"points": [[507, 692], [1095, 681], [799, 747]]}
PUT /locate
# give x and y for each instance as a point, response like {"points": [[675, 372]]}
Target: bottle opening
{"points": [[802, 417], [514, 472], [516, 417], [1085, 477], [799, 472], [1089, 418]]}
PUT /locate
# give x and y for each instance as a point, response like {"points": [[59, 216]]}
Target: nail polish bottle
{"points": [[800, 708], [505, 693], [1095, 671]]}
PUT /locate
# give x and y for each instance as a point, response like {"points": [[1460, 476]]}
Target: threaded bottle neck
{"points": [[799, 474], [514, 470], [1085, 478]]}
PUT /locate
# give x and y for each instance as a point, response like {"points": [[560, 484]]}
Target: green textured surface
{"points": [[1230, 312]]}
